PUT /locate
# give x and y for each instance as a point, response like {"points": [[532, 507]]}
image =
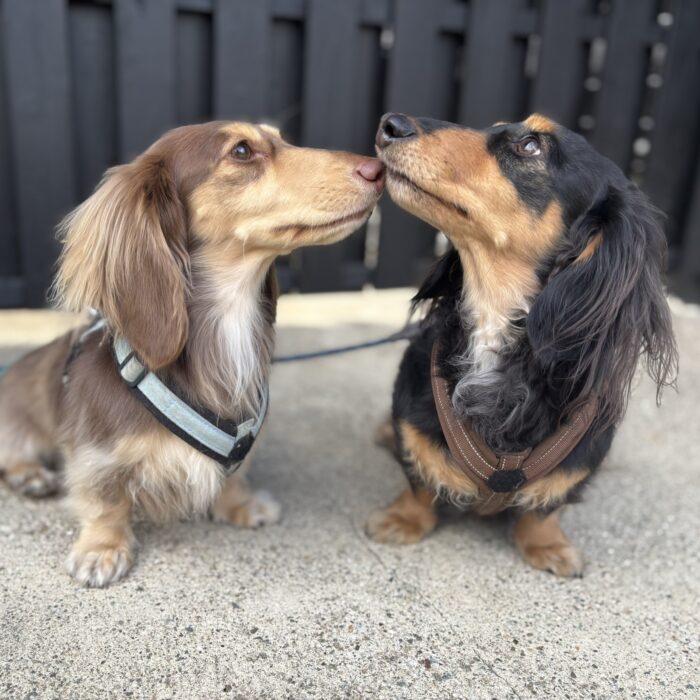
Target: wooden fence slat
{"points": [[145, 51], [12, 292], [619, 101], [242, 31], [676, 117], [9, 250], [492, 66], [284, 83], [405, 242], [87, 83], [376, 13], [690, 265], [93, 81], [194, 68], [42, 138], [332, 35], [559, 81]]}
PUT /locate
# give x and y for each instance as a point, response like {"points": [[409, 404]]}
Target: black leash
{"points": [[406, 333]]}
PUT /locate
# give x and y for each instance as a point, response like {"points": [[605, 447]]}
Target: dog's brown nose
{"points": [[392, 127], [371, 170]]}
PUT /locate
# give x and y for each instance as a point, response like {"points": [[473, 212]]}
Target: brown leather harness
{"points": [[506, 472]]}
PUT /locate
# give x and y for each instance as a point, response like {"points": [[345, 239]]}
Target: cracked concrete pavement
{"points": [[310, 608]]}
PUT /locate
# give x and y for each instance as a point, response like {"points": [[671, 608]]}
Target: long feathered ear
{"points": [[604, 305], [125, 255], [444, 279]]}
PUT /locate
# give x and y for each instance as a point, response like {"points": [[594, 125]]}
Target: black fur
{"points": [[586, 329]]}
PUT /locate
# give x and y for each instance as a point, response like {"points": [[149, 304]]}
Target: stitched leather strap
{"points": [[509, 471]]}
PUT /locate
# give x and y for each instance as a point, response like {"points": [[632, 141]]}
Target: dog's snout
{"points": [[393, 127]]}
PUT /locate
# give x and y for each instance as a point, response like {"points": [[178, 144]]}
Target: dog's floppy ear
{"points": [[125, 255], [444, 279], [604, 305]]}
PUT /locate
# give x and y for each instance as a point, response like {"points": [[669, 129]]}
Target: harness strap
{"points": [[505, 472], [223, 441]]}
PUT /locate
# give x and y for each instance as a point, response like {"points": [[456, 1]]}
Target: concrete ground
{"points": [[310, 608]]}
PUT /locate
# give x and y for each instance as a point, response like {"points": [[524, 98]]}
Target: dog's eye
{"points": [[242, 151], [528, 147]]}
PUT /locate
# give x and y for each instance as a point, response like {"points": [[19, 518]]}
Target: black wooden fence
{"points": [[88, 83]]}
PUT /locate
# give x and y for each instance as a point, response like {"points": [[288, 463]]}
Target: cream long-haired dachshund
{"points": [[175, 250]]}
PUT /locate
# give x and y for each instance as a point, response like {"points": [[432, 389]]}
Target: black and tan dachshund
{"points": [[551, 293]]}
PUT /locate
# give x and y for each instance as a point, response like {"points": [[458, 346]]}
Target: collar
{"points": [[224, 441], [506, 472]]}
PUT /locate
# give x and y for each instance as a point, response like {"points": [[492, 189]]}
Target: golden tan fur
{"points": [[435, 467], [175, 250], [407, 520], [593, 245], [411, 517], [539, 123], [448, 188], [500, 241], [544, 546]]}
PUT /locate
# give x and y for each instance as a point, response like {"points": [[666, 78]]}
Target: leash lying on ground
{"points": [[408, 332]]}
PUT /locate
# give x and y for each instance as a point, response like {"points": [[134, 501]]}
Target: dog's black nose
{"points": [[394, 126]]}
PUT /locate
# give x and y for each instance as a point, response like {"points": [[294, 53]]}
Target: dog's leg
{"points": [[407, 520], [543, 544], [31, 478], [239, 505], [21, 466], [104, 551], [385, 435]]}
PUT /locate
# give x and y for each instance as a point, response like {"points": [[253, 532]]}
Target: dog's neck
{"points": [[494, 385], [497, 291], [227, 357]]}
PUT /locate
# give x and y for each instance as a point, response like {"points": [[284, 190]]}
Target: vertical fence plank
{"points": [[623, 76], [676, 117], [332, 36], [493, 64], [94, 103], [145, 47], [284, 83], [39, 99], [9, 252], [242, 31], [90, 83], [194, 68], [690, 266], [405, 243], [559, 81]]}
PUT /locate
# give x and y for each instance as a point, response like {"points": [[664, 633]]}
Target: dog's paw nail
{"points": [[260, 509], [99, 567], [559, 559]]}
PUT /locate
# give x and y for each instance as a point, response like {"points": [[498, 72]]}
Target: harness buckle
{"points": [[132, 370]]}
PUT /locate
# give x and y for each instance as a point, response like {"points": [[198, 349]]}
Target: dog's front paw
{"points": [[544, 546], [99, 566], [562, 559], [260, 509], [406, 521], [389, 527]]}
